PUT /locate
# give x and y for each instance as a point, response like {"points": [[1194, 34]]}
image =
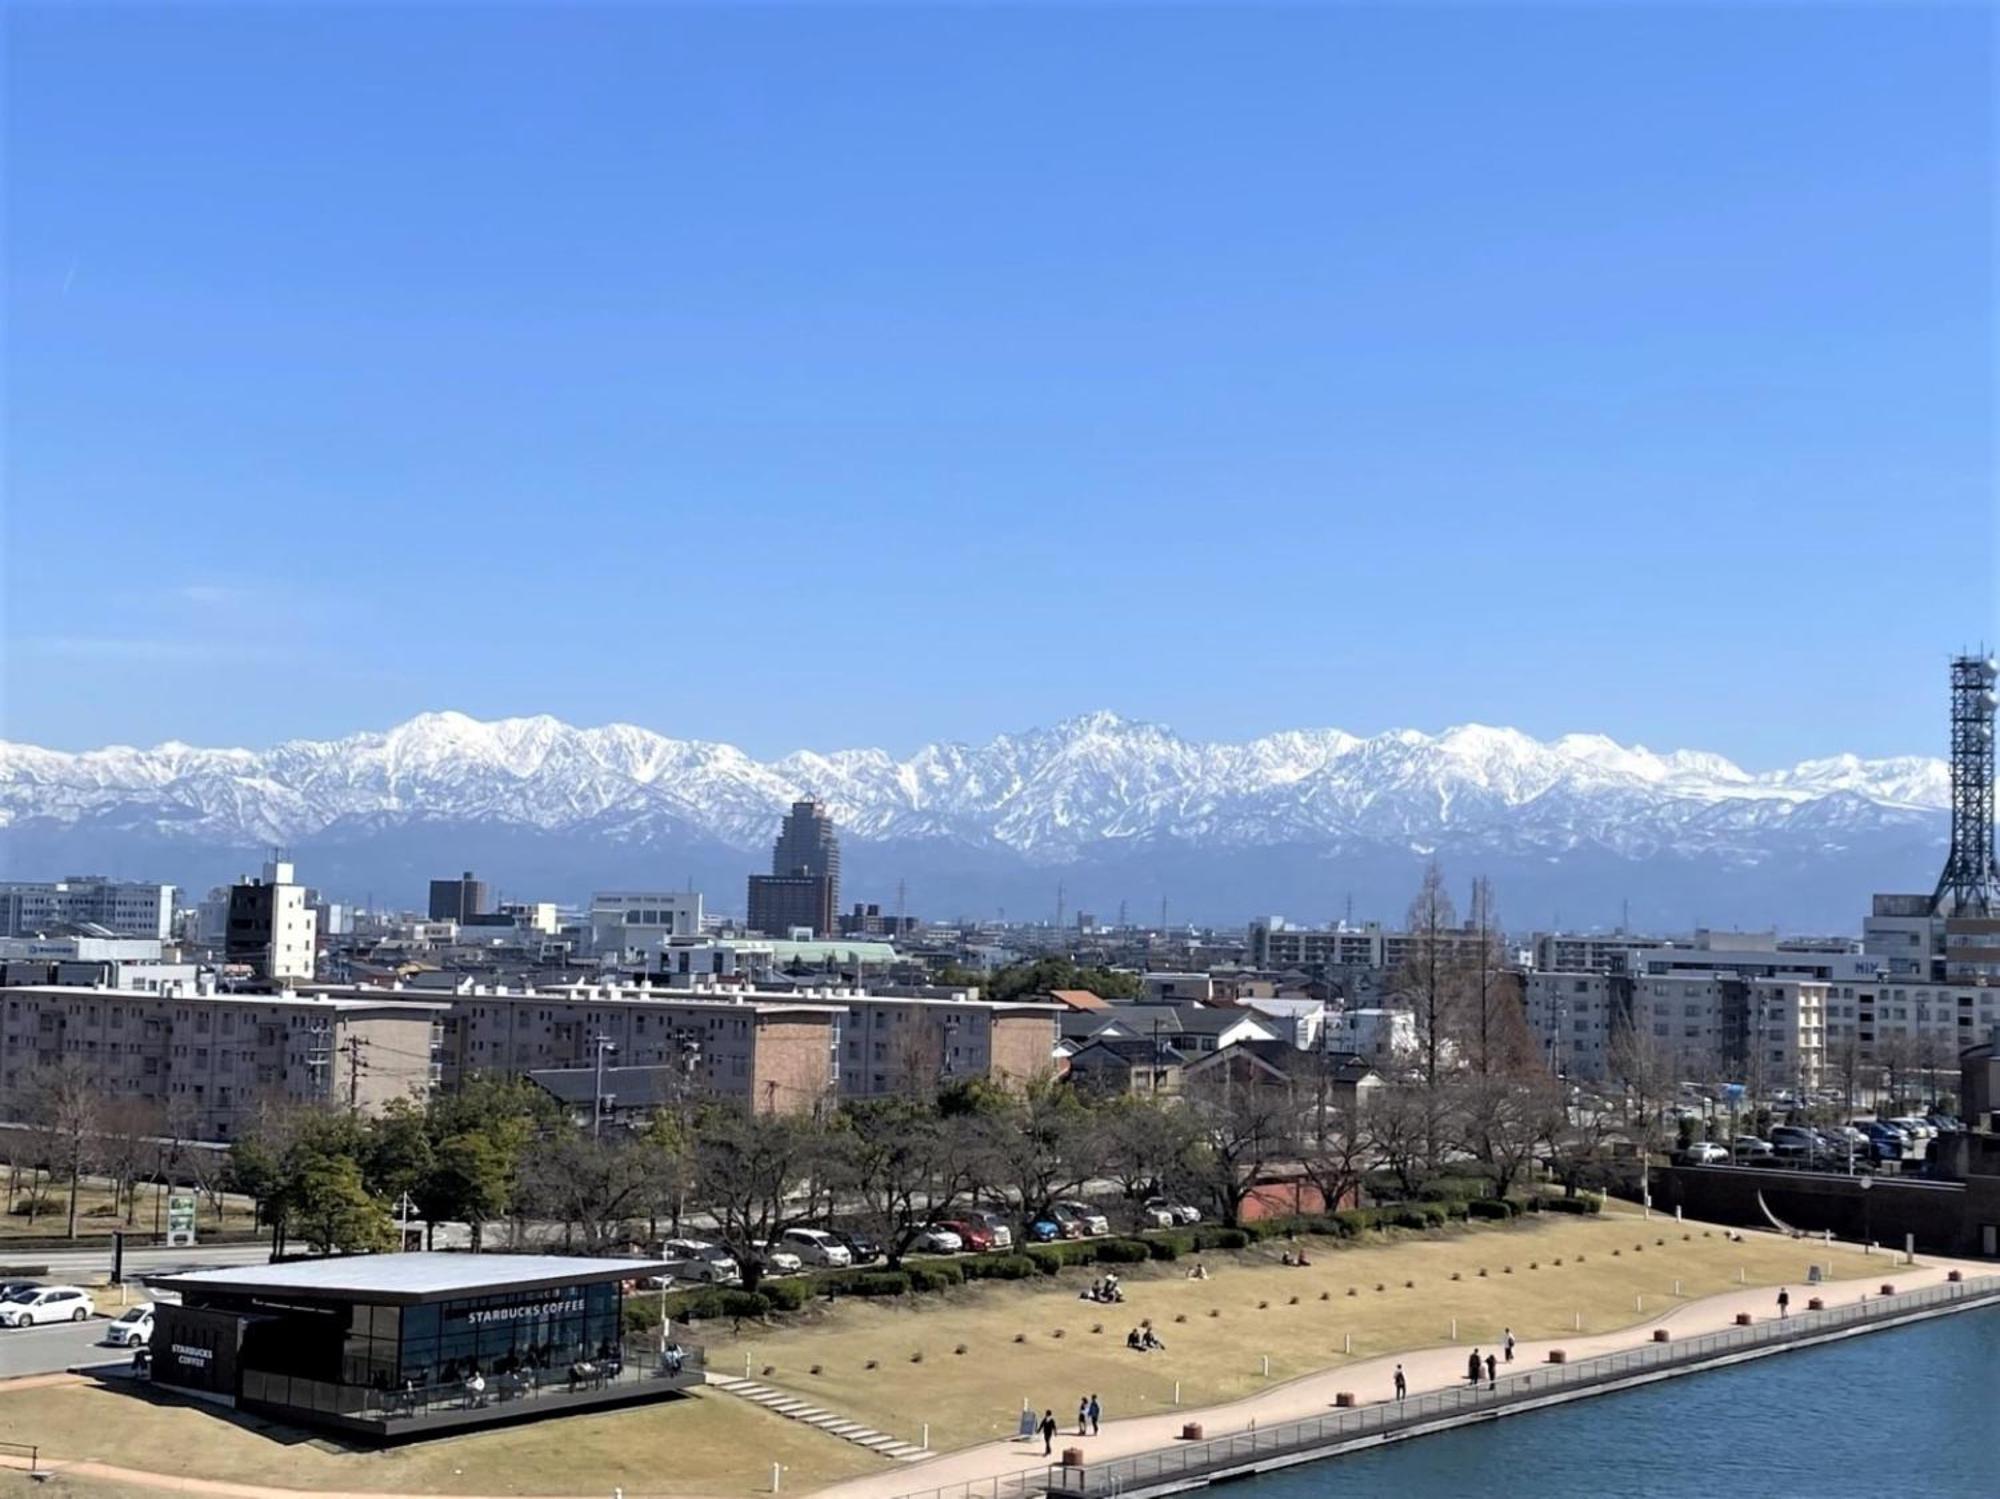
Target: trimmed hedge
{"points": [[998, 1267], [786, 1295], [1543, 1203], [718, 1301], [1170, 1246], [1490, 1207], [1052, 1257], [934, 1275], [1123, 1252]]}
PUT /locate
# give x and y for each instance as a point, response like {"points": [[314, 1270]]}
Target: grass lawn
{"points": [[1035, 1342], [707, 1444], [95, 1214]]}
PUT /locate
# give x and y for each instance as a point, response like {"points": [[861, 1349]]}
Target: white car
{"points": [[816, 1246], [133, 1329], [44, 1304], [1706, 1153], [697, 1259], [1179, 1212], [1151, 1216], [937, 1241], [1092, 1223], [778, 1260]]}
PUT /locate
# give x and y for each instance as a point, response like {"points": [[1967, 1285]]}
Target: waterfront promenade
{"points": [[1370, 1381]]}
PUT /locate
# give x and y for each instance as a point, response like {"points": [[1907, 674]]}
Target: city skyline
{"points": [[1613, 398]]}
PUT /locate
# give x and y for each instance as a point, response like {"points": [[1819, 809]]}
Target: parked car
{"points": [[994, 1224], [816, 1246], [976, 1237], [1090, 1223], [1705, 1153], [1045, 1230], [134, 1327], [42, 1304], [1884, 1143], [938, 1240], [1920, 1130], [1944, 1124], [1181, 1212], [699, 1260], [861, 1250], [1750, 1148], [1794, 1142], [777, 1259]]}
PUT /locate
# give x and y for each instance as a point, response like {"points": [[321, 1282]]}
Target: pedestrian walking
{"points": [[1096, 1414], [1048, 1430], [1508, 1343], [1083, 1417], [1472, 1368], [1402, 1384], [1492, 1372], [1784, 1301]]}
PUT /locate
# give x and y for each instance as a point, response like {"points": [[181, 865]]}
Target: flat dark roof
{"points": [[408, 1278]]}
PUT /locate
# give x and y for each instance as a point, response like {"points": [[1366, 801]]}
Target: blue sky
{"points": [[823, 376]]}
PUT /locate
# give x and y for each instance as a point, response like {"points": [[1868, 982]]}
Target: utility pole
{"points": [[1060, 892], [354, 1064], [600, 1044]]}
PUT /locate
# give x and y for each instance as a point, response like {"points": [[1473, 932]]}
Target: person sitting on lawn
{"points": [[1133, 1341]]}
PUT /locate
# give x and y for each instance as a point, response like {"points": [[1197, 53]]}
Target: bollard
{"points": [[1454, 1329], [1177, 1392], [1267, 1366], [746, 1366], [1677, 1213], [1677, 1288], [1638, 1303], [926, 1443], [1347, 1345], [1909, 1249], [776, 1477], [1741, 1279], [1579, 1321]]}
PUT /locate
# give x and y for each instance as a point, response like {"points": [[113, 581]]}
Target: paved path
{"points": [[1370, 1380]]}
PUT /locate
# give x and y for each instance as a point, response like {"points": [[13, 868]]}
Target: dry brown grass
{"points": [[707, 1444], [1218, 1331]]}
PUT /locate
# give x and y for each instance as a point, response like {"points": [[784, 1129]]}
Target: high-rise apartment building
{"points": [[124, 908], [272, 928], [458, 900], [803, 887]]}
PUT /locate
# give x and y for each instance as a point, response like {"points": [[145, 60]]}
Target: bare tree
{"points": [[64, 1107], [1403, 1123], [1427, 983], [1240, 1129], [908, 1167], [595, 1187], [1037, 1142], [1501, 1121], [749, 1169], [129, 1148]]}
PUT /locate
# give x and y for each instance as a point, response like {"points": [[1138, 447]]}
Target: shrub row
{"points": [[1543, 1203], [930, 1275]]}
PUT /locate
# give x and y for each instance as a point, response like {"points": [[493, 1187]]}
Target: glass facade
{"points": [[364, 1346]]}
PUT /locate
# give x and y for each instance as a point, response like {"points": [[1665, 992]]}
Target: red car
{"points": [[977, 1236]]}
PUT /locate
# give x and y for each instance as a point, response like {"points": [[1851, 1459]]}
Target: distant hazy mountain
{"points": [[1295, 822]]}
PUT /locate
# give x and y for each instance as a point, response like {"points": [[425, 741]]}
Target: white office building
{"points": [[123, 908], [633, 924]]}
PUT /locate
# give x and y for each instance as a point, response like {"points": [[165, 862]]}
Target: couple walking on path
{"points": [[1089, 1414]]}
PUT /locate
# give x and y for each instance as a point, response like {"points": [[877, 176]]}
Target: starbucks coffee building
{"points": [[399, 1345]]}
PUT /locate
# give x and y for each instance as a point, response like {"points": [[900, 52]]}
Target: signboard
{"points": [[180, 1219]]}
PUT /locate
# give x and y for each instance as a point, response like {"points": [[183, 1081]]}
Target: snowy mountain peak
{"points": [[1048, 794]]}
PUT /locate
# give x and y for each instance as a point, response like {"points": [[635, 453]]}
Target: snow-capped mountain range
{"points": [[1087, 792]]}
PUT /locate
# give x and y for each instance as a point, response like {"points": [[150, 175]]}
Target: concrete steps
{"points": [[794, 1409]]}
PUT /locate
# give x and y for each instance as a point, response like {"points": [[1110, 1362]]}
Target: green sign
{"points": [[180, 1217]]}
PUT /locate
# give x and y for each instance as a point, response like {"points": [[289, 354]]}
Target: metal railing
{"points": [[17, 1449], [1240, 1449], [636, 1364]]}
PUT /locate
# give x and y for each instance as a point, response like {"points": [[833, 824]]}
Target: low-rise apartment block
{"points": [[212, 1058]]}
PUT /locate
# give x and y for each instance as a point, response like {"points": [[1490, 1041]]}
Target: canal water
{"points": [[1914, 1411]]}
